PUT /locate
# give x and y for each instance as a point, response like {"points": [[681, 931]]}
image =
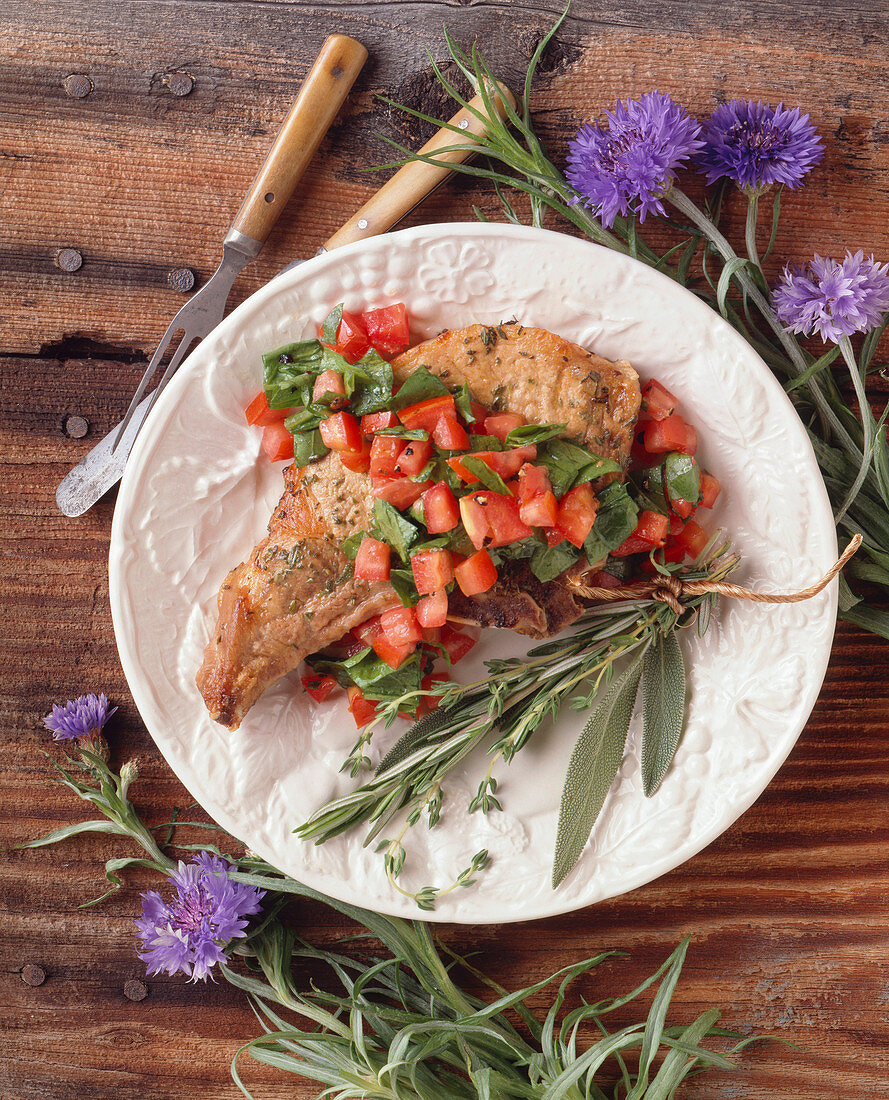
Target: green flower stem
{"points": [[750, 229], [684, 204], [867, 423]]}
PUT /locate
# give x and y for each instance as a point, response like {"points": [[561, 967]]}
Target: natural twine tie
{"points": [[671, 590]]}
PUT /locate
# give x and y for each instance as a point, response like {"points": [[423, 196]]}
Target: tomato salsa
{"points": [[459, 488]]}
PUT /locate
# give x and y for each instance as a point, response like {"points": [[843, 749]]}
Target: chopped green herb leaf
{"points": [[488, 477], [400, 432], [682, 477], [534, 433], [485, 443], [402, 580], [390, 526], [308, 446], [615, 522], [463, 400], [548, 562], [286, 371], [570, 465], [350, 546], [419, 386], [331, 324], [375, 393]]}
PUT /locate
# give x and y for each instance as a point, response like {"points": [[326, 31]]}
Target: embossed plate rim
{"points": [[467, 907]]}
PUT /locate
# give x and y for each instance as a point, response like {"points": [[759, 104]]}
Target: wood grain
{"points": [[787, 909]]}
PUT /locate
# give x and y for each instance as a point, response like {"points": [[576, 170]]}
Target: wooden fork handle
{"points": [[314, 109], [412, 183]]}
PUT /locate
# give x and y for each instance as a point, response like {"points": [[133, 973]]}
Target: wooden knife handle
{"points": [[413, 182], [314, 109]]}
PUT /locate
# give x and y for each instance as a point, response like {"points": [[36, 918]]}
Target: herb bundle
{"points": [[621, 171], [397, 1025]]}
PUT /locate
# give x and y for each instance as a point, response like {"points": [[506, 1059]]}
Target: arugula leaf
{"points": [[533, 433], [350, 546], [372, 393], [307, 446], [488, 477], [570, 465], [286, 371], [485, 443], [402, 580], [682, 478], [615, 522], [389, 525], [419, 386], [332, 324], [308, 418], [462, 399], [547, 562]]}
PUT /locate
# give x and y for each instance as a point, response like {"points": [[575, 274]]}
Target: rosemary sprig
{"points": [[502, 711], [399, 1024]]}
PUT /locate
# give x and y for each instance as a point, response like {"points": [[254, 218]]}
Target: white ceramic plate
{"points": [[197, 496]]}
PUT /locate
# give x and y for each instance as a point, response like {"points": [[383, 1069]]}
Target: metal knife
{"points": [[103, 466]]}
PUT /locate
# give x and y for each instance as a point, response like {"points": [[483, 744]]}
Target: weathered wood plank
{"points": [[787, 909]]}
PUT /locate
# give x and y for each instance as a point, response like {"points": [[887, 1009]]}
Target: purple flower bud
{"points": [[628, 165], [833, 298], [81, 717]]}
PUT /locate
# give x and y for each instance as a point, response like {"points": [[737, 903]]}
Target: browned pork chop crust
{"points": [[296, 592]]}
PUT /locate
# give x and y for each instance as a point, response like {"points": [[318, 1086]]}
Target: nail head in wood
{"points": [[135, 990], [78, 86], [32, 974], [181, 279], [76, 427], [179, 83], [69, 259]]}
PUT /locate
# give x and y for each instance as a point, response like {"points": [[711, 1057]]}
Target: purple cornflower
{"points": [[757, 145], [81, 717], [190, 932], [834, 298], [628, 165]]}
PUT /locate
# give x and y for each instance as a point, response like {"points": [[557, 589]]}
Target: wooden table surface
{"points": [[788, 909]]}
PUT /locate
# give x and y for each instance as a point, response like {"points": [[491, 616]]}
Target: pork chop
{"points": [[296, 593]]}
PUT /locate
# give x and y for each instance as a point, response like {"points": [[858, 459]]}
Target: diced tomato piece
{"points": [[682, 508], [362, 709], [553, 536], [604, 579], [672, 434], [414, 457], [340, 432], [277, 442], [387, 328], [394, 655], [475, 519], [710, 490], [330, 381], [400, 492], [533, 480], [673, 553], [426, 684], [432, 569], [259, 414], [505, 463], [505, 525], [385, 451], [692, 538], [318, 686], [351, 337], [653, 527], [432, 611], [455, 643], [372, 560], [657, 403], [426, 414], [357, 461], [450, 435], [631, 545], [441, 510], [477, 574], [400, 626], [368, 630], [540, 511], [577, 513], [501, 424], [480, 413], [372, 422], [344, 647]]}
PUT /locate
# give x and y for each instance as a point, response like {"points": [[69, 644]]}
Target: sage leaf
{"points": [[592, 768], [663, 708]]}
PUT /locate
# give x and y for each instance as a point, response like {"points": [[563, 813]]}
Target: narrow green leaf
{"points": [[731, 269], [592, 768], [663, 708]]}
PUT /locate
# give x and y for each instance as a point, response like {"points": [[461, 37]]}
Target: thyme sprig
{"points": [[399, 1024], [502, 711]]}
